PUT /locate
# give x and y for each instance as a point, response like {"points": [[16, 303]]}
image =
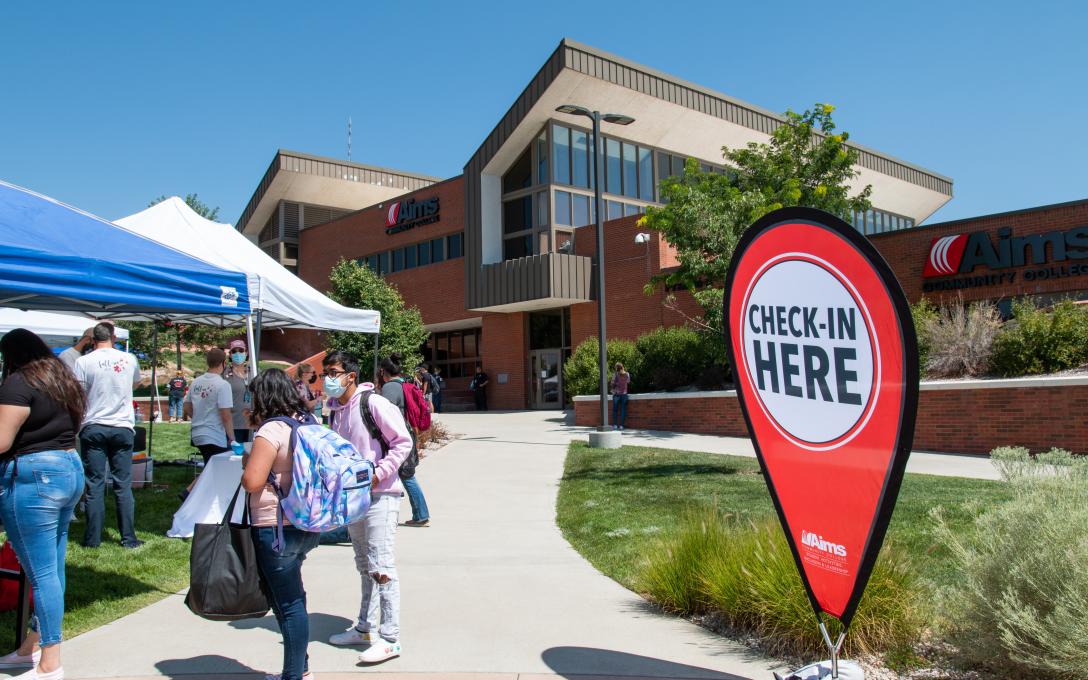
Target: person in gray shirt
{"points": [[391, 379]]}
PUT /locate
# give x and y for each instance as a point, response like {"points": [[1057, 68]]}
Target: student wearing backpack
{"points": [[404, 394], [274, 396], [383, 437]]}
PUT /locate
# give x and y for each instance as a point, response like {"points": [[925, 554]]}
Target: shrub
{"points": [[961, 339], [1037, 341], [671, 357], [581, 374], [746, 574], [923, 312], [1020, 602]]}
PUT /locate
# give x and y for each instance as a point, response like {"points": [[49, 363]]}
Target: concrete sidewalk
{"points": [[490, 590]]}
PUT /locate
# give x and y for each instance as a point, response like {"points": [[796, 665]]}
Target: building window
{"points": [[613, 167], [562, 207], [398, 260], [453, 246], [579, 159], [517, 246], [561, 153], [410, 257], [520, 174], [630, 170], [541, 209], [424, 253], [455, 352], [517, 215], [645, 174], [614, 210], [438, 252], [542, 158], [580, 210]]}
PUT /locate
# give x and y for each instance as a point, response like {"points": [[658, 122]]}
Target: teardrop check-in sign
{"points": [[826, 363]]}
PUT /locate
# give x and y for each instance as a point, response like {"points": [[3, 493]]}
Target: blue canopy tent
{"points": [[59, 258], [56, 257]]}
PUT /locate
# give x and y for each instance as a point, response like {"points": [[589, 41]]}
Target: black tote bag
{"points": [[224, 584]]}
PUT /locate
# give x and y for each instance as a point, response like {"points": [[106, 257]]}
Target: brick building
{"points": [[499, 260]]}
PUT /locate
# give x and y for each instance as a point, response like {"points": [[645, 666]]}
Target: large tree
{"points": [[402, 331], [806, 163], [198, 206]]}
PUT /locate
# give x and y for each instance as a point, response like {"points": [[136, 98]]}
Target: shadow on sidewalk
{"points": [[581, 662], [321, 625], [208, 667]]}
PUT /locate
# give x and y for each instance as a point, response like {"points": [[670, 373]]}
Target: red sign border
{"points": [[908, 414]]}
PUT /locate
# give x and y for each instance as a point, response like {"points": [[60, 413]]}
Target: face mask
{"points": [[313, 378], [238, 357], [333, 388]]}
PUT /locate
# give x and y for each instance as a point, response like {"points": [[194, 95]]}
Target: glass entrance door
{"points": [[544, 378]]}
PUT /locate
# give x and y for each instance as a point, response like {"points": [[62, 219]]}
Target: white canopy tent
{"points": [[49, 323], [281, 299]]}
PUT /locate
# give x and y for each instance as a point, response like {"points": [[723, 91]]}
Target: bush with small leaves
{"points": [[581, 373], [1040, 341], [1019, 605]]}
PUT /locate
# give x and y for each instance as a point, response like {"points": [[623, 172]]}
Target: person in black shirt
{"points": [[176, 389], [479, 388], [41, 409]]}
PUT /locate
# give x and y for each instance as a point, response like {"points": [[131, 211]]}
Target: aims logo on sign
{"points": [[945, 255], [393, 216], [405, 215]]}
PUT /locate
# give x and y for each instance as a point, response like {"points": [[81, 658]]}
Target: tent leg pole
{"points": [[251, 336], [377, 345], [259, 326], [154, 387]]}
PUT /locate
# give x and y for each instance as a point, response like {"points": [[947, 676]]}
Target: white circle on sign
{"points": [[809, 351]]}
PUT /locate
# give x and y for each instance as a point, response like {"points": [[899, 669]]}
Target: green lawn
{"points": [[613, 504], [170, 441], [109, 582]]}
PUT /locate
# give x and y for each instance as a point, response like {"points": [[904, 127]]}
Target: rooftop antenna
{"points": [[349, 138]]}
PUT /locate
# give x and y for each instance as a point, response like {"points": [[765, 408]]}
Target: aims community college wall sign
{"points": [[405, 215], [963, 254], [826, 365]]}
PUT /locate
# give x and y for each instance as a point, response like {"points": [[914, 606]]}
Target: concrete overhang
{"points": [[327, 182], [699, 127]]}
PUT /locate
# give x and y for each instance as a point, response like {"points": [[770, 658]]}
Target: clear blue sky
{"points": [[106, 105]]}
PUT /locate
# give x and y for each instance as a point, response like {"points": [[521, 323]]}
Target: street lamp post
{"points": [[598, 182]]}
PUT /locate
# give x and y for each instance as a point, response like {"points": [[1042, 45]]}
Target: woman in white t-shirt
{"points": [[274, 395]]}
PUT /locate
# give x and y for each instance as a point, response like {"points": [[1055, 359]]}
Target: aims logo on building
{"points": [[963, 253], [405, 215], [945, 255]]}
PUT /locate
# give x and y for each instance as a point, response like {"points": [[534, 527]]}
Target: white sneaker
{"points": [[352, 636], [33, 674], [17, 660], [381, 650]]}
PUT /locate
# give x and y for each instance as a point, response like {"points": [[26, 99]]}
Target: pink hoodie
{"points": [[393, 428]]}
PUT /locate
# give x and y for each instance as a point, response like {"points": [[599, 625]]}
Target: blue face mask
{"points": [[333, 388], [238, 357]]}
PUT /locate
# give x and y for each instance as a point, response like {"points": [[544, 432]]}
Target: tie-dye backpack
{"points": [[330, 483]]}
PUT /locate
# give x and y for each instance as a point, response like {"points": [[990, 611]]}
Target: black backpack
{"points": [[408, 467]]}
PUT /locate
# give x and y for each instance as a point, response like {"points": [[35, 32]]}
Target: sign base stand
{"points": [[606, 439], [848, 670]]}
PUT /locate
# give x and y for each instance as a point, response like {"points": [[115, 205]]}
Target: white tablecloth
{"points": [[210, 496]]}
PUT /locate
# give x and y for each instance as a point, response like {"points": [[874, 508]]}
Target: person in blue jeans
{"points": [[274, 395], [41, 480], [391, 379], [421, 516], [620, 383]]}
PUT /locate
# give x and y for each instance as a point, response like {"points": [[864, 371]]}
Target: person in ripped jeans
{"points": [[373, 537]]}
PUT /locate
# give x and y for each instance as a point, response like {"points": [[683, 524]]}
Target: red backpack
{"points": [[416, 408]]}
